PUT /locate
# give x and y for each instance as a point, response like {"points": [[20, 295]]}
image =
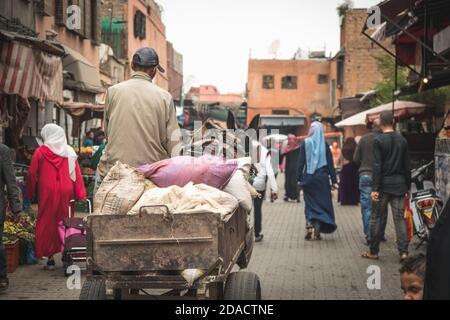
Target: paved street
{"points": [[289, 266]]}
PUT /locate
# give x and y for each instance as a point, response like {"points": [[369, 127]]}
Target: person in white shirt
{"points": [[265, 174]]}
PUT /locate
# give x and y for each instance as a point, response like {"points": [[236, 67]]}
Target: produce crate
{"points": [[12, 256]]}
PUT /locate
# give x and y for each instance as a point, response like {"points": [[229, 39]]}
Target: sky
{"points": [[217, 37]]}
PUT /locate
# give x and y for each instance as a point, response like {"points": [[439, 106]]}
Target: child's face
{"points": [[412, 286]]}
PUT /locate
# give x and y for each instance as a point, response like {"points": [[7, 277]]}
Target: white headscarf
{"points": [[55, 139]]}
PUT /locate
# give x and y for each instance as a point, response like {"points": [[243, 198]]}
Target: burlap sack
{"points": [[189, 199], [239, 187], [120, 190]]}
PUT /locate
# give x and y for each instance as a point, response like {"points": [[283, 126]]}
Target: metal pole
{"points": [[395, 88], [424, 45]]}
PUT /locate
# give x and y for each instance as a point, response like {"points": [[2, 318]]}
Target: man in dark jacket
{"points": [[363, 158], [391, 183], [8, 179]]}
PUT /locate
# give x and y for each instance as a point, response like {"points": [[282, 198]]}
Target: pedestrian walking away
{"points": [[8, 180], [314, 171], [363, 159], [391, 183], [337, 154], [290, 155], [265, 174], [348, 194], [55, 176], [140, 118]]}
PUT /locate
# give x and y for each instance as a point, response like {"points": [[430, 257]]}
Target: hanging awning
{"points": [[40, 44], [83, 109], [402, 110], [358, 119], [282, 121], [392, 12], [83, 76], [27, 72]]}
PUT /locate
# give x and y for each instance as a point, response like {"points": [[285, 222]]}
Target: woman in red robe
{"points": [[55, 174]]}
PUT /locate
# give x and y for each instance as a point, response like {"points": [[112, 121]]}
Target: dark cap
{"points": [[147, 57]]}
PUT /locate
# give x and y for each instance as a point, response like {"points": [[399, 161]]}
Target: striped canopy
{"points": [[28, 72]]}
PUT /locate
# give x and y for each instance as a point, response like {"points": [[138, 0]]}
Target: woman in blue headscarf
{"points": [[314, 171]]}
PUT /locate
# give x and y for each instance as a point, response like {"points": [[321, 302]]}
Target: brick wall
{"points": [[360, 67]]}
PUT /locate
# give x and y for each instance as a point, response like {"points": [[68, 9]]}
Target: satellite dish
{"points": [[274, 47]]}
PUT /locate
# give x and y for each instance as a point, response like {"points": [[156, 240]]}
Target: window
{"points": [[340, 72], [95, 25], [268, 82], [322, 79], [289, 82], [88, 27], [333, 93], [280, 112], [139, 25]]}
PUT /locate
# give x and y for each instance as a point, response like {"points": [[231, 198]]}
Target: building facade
{"points": [[288, 87], [314, 85], [128, 25], [174, 72], [74, 24], [355, 66]]}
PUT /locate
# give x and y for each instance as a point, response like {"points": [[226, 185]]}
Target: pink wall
{"points": [[155, 37], [68, 38]]}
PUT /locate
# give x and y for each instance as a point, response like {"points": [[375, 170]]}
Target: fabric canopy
{"points": [[78, 109], [30, 73], [80, 112], [85, 76], [358, 119], [402, 110]]}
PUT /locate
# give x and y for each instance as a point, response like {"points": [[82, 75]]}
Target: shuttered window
{"points": [[139, 25]]}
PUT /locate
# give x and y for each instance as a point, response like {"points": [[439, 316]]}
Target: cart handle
{"points": [[73, 201], [167, 214]]}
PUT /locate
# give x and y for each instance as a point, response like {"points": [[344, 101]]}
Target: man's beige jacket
{"points": [[140, 124]]}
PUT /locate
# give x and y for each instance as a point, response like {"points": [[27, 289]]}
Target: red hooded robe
{"points": [[49, 175]]}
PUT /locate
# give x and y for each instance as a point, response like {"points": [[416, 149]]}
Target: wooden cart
{"points": [[142, 256]]}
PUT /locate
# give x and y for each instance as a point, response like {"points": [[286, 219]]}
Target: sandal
{"points": [[50, 265], [368, 255], [317, 238], [309, 234]]}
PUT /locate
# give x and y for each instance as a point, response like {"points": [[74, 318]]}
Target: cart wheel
{"points": [[242, 286], [93, 289]]}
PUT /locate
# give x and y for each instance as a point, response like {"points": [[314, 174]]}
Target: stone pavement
{"points": [[289, 267]]}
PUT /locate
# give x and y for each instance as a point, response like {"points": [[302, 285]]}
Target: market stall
{"points": [[18, 239]]}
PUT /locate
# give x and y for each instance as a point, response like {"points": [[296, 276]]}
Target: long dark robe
{"points": [[317, 191], [349, 185], [437, 278], [290, 182]]}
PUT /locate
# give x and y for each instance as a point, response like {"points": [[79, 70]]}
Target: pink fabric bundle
{"points": [[212, 171]]}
